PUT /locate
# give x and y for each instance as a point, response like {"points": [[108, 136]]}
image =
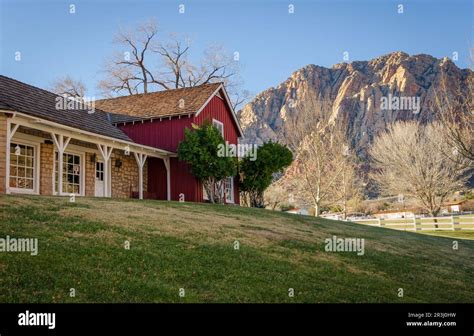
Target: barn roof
{"points": [[158, 104]]}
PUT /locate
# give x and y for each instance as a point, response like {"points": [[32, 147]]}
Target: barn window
{"points": [[220, 126]]}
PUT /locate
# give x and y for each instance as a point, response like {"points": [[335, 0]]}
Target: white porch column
{"points": [[61, 143], [11, 130], [141, 159], [168, 178], [106, 152]]}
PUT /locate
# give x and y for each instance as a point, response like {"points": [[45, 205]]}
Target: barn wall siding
{"points": [[217, 109], [167, 134], [183, 182], [157, 178]]}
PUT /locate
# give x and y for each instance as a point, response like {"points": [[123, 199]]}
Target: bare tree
{"points": [[456, 113], [148, 64], [323, 156], [348, 188], [275, 195], [68, 87], [128, 71], [410, 159], [300, 121]]}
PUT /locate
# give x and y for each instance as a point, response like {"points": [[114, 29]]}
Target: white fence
{"points": [[452, 223]]}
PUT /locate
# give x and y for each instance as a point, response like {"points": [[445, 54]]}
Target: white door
{"points": [[99, 179]]}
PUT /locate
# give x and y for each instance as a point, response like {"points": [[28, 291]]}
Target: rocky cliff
{"points": [[365, 96]]}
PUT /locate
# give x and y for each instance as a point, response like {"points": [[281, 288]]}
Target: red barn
{"points": [[159, 119]]}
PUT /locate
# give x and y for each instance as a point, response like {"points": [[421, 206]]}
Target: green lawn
{"points": [[191, 246], [452, 234]]}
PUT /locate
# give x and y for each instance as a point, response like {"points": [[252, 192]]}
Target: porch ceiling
{"points": [[44, 128]]}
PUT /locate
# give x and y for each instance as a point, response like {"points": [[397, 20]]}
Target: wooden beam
{"points": [[7, 168], [61, 143], [13, 131], [106, 152], [168, 178], [141, 159]]}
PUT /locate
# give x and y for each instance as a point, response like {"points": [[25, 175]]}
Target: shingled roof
{"points": [[158, 104], [33, 101]]}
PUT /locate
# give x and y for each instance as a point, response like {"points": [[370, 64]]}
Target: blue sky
{"points": [[272, 43]]}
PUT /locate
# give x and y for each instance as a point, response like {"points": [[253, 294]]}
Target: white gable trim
{"points": [[226, 98]]}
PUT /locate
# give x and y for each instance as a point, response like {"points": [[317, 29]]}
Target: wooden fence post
{"points": [[453, 222], [417, 223]]}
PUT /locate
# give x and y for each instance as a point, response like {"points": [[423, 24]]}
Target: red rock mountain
{"points": [[355, 91]]}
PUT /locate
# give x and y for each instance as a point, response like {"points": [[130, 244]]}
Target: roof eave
{"points": [[138, 120]]}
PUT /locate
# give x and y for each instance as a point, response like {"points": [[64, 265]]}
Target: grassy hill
{"points": [[191, 246]]}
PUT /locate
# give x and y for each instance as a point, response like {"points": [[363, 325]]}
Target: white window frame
{"points": [[219, 125], [82, 178], [229, 198], [36, 167], [204, 193], [231, 194], [101, 171]]}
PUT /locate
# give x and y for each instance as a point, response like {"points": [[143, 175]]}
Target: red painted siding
{"points": [[167, 134], [183, 182], [157, 178], [217, 109]]}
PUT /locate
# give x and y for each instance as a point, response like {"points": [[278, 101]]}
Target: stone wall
{"points": [[125, 178], [90, 175], [46, 168]]}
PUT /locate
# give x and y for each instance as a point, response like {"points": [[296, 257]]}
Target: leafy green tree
{"points": [[200, 149], [257, 175]]}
